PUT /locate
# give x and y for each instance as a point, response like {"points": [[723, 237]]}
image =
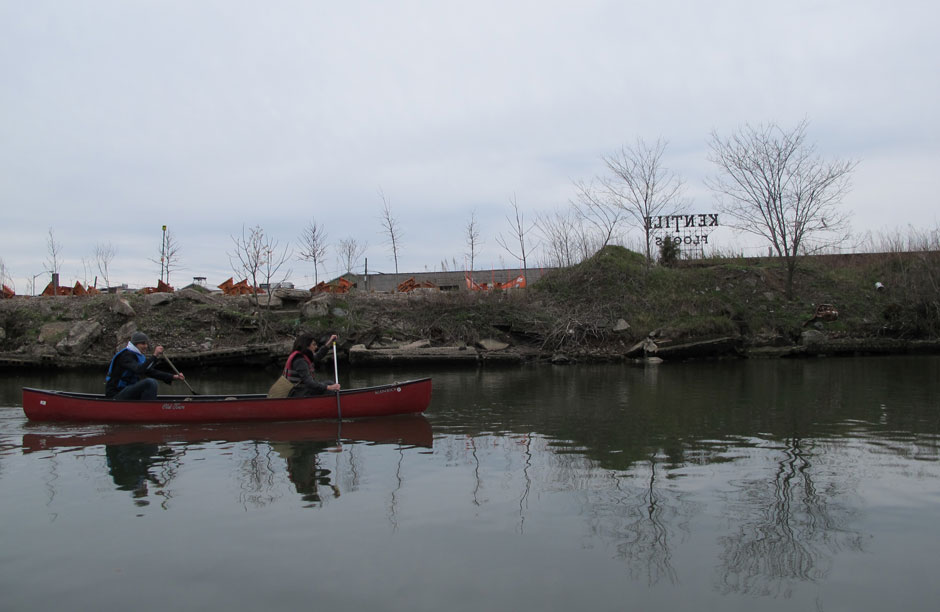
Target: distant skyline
{"points": [[208, 116]]}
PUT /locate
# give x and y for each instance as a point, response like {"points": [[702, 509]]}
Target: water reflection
{"points": [[305, 470], [757, 476], [132, 467], [145, 459], [789, 524]]}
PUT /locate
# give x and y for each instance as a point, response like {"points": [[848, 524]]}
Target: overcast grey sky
{"points": [[120, 116]]}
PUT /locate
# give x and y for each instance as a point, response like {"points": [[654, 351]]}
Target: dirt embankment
{"points": [[611, 307]]}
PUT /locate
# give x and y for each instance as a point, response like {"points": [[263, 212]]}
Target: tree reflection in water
{"points": [[643, 518], [786, 529]]}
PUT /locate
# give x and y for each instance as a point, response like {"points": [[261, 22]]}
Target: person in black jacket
{"points": [[298, 371], [132, 374]]}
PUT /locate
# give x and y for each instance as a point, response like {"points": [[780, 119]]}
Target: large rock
{"points": [[812, 337], [53, 333], [123, 307], [195, 295], [265, 300], [81, 335], [488, 344], [124, 333], [315, 308], [158, 299], [291, 295]]}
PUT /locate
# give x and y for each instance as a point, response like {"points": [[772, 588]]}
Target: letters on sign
{"points": [[683, 230]]}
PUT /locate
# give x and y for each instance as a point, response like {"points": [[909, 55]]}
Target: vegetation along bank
{"points": [[611, 307]]}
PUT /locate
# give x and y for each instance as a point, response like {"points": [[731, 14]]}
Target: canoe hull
{"points": [[410, 397]]}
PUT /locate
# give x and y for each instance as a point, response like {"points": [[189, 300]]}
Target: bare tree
{"points": [[168, 256], [561, 237], [516, 244], [774, 185], [5, 278], [349, 252], [86, 270], [104, 255], [472, 233], [313, 246], [600, 209], [54, 249], [258, 257], [54, 262], [391, 228], [642, 186]]}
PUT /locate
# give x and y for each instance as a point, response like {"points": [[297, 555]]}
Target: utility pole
{"points": [[163, 272]]}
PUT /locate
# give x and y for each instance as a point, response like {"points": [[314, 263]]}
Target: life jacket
{"points": [[128, 377], [289, 372]]}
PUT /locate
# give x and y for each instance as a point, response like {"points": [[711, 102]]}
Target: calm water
{"points": [[762, 485]]}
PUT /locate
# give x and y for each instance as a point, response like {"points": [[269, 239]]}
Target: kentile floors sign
{"points": [[685, 229]]}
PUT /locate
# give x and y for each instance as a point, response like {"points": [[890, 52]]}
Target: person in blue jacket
{"points": [[132, 374]]}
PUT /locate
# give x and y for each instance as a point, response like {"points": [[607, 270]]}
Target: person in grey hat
{"points": [[132, 375]]}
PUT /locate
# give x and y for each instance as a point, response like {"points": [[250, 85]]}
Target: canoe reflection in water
{"points": [[140, 457]]}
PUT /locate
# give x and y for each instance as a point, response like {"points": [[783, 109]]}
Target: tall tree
{"points": [[313, 246], [643, 187], [600, 209], [773, 184], [5, 278], [561, 237], [515, 244], [349, 252], [258, 257], [169, 255], [54, 249], [391, 229], [473, 241], [104, 255]]}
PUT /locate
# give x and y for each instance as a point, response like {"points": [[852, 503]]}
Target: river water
{"points": [[741, 485]]}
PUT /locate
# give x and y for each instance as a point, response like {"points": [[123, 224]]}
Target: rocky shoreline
{"points": [[611, 308], [75, 340]]}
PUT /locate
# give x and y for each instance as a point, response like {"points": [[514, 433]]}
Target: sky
{"points": [[212, 116]]}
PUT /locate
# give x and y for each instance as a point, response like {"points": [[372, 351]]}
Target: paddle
{"points": [[167, 359], [339, 409]]}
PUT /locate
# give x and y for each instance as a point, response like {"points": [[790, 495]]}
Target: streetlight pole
{"points": [[163, 275]]}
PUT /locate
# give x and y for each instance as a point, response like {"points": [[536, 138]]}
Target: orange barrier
{"points": [[240, 288], [340, 285], [411, 285]]}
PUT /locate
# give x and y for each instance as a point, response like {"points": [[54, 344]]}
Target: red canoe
{"points": [[408, 397]]}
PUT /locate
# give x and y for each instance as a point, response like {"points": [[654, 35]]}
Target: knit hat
{"points": [[139, 338]]}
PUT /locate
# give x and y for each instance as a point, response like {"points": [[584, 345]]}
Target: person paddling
{"points": [[297, 379], [132, 375]]}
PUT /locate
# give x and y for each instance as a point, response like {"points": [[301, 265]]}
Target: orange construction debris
{"points": [[340, 285], [515, 283], [62, 290], [240, 288], [411, 285], [160, 288]]}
